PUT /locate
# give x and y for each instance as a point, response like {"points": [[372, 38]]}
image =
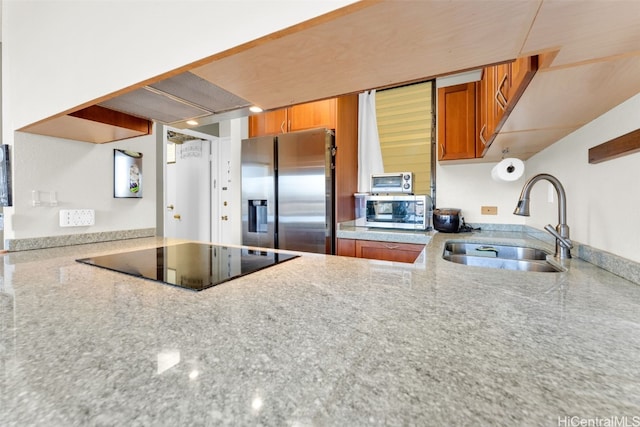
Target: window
{"points": [[406, 123]]}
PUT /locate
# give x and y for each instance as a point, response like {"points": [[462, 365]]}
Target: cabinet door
{"points": [[522, 71], [457, 122], [486, 110], [268, 123], [346, 247], [501, 93], [313, 115], [482, 115], [387, 251]]}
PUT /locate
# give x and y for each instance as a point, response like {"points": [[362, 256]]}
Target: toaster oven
{"points": [[388, 183]]}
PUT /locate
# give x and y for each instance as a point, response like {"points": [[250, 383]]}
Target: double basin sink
{"points": [[499, 256]]}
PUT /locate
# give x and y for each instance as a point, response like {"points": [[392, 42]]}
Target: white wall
{"points": [[82, 176], [470, 186], [603, 199]]}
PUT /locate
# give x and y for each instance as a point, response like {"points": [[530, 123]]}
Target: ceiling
{"points": [[374, 44], [182, 97]]}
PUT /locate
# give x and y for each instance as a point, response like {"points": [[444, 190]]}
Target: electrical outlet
{"points": [[489, 210], [77, 217]]}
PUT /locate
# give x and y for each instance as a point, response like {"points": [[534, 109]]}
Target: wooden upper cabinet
{"points": [[317, 114], [457, 122], [521, 72], [489, 110], [481, 120], [268, 123], [501, 94], [495, 94]]}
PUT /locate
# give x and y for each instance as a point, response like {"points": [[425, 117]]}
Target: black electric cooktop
{"points": [[195, 266]]}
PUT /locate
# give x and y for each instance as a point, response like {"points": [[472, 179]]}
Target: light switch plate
{"points": [[489, 210]]}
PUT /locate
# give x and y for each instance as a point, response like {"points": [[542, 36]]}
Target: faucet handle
{"points": [[564, 241]]}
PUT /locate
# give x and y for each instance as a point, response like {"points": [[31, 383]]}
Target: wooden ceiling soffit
{"points": [[104, 115], [94, 124], [617, 147]]}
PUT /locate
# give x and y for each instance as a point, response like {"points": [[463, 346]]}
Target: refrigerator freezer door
{"points": [[258, 192], [305, 191]]}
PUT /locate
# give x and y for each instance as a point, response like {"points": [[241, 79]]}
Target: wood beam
{"points": [[617, 147]]}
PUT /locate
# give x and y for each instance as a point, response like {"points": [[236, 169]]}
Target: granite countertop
{"points": [[318, 340]]}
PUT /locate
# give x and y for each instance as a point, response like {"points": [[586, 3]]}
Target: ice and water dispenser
{"points": [[257, 216]]}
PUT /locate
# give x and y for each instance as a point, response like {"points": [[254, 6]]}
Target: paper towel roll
{"points": [[509, 169]]}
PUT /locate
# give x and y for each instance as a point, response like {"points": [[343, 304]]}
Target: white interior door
{"points": [[224, 188], [188, 192], [170, 184]]}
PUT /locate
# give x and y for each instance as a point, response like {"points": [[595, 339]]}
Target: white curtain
{"points": [[369, 153]]}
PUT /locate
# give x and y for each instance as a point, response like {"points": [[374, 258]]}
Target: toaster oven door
{"points": [[395, 213]]}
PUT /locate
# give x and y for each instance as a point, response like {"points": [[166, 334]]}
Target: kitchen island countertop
{"points": [[318, 340]]}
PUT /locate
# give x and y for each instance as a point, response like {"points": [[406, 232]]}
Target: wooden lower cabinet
{"points": [[346, 247], [386, 251]]}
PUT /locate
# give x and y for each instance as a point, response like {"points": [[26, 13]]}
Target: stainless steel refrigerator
{"points": [[288, 191]]}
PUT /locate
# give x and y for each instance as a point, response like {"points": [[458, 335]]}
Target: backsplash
{"points": [[75, 239], [615, 264]]}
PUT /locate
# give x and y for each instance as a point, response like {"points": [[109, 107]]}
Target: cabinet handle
{"points": [[282, 126], [484, 141], [442, 147], [391, 246], [500, 98]]}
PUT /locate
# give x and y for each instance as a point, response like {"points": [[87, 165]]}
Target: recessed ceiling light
{"points": [[192, 122], [255, 109]]}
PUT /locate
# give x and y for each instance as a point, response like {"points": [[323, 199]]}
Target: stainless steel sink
{"points": [[494, 251], [506, 257]]}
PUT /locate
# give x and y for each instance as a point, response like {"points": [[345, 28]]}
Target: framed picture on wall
{"points": [[5, 176], [127, 174]]}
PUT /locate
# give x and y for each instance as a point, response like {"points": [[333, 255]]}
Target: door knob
{"points": [[177, 216], [170, 207]]}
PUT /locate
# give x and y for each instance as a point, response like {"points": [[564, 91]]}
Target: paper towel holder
{"points": [[510, 168]]}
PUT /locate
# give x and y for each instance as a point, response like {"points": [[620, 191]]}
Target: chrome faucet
{"points": [[561, 232]]}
